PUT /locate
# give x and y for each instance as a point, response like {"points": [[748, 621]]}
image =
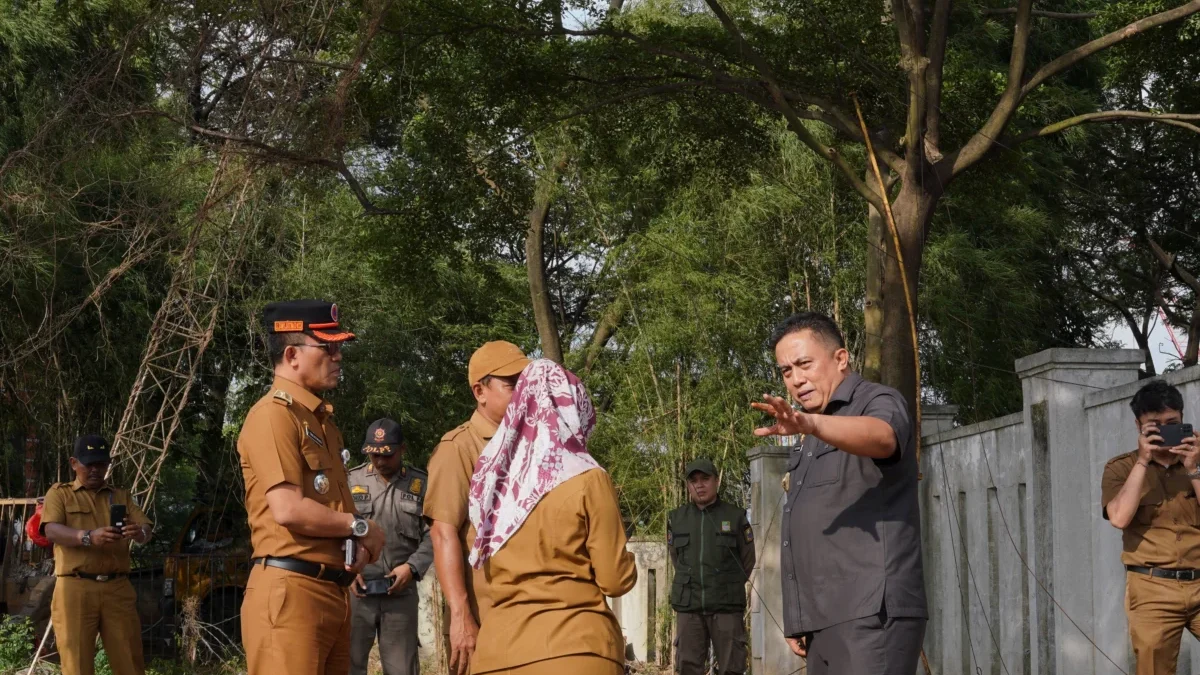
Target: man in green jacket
{"points": [[712, 548]]}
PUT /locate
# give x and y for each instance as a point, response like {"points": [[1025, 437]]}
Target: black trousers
{"points": [[879, 645], [726, 631]]}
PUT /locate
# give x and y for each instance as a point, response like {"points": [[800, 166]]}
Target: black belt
{"points": [[308, 569], [1178, 575], [97, 577]]}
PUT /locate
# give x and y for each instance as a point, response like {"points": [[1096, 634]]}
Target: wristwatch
{"points": [[86, 539], [360, 527], [1194, 473]]}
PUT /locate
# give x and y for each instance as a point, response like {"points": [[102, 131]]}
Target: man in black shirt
{"points": [[853, 589]]}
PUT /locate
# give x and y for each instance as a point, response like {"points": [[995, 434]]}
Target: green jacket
{"points": [[713, 554]]}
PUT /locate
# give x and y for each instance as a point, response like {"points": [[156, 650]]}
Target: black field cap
{"points": [[383, 438], [702, 465], [91, 449], [315, 317]]}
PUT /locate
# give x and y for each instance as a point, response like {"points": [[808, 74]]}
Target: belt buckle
{"points": [[102, 577]]}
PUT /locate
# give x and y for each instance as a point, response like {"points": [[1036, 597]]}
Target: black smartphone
{"points": [[117, 515], [377, 587], [1173, 434]]}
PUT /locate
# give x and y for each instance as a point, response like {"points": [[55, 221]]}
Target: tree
{"points": [[970, 86]]}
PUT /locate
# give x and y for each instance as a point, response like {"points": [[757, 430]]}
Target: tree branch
{"points": [[1041, 13], [1174, 119], [933, 78], [535, 263], [1170, 263], [982, 141], [910, 28], [1100, 44], [795, 125]]}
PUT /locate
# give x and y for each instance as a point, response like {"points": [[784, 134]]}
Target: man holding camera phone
{"points": [[91, 524], [1150, 494], [384, 605]]}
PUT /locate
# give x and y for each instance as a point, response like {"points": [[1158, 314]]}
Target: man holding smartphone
{"points": [[1150, 495], [385, 601], [92, 595]]}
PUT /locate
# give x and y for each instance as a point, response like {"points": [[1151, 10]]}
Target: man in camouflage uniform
{"points": [[385, 594]]}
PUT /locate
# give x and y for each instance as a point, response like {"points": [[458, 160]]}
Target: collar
{"points": [[483, 426], [77, 485], [710, 507], [302, 396], [845, 390], [402, 473]]}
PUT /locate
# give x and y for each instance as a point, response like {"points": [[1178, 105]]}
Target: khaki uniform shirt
{"points": [[396, 507], [289, 437], [450, 471], [1165, 531], [547, 583], [75, 506]]}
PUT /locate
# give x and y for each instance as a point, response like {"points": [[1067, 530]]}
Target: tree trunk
{"points": [[535, 265], [888, 357]]}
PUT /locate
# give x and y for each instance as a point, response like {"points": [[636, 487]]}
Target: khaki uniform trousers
{"points": [[295, 624], [81, 609], [1158, 611], [725, 630], [576, 664], [394, 621]]}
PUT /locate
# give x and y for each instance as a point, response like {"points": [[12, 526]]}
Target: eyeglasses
{"points": [[330, 348]]}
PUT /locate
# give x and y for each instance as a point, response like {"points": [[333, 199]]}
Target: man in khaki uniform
{"points": [[1150, 495], [492, 374], [296, 612], [92, 595], [385, 601]]}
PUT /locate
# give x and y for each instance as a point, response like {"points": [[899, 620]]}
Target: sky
{"points": [[1160, 342]]}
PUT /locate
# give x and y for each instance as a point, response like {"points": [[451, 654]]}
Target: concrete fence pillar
{"points": [[769, 652], [937, 418], [1053, 384]]}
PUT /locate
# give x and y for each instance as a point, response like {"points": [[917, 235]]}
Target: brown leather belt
{"points": [[1178, 575], [309, 569]]}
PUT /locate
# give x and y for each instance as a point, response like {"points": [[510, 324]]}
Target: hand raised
{"points": [[788, 420]]}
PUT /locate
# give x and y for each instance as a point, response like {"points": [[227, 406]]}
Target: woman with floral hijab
{"points": [[549, 537]]}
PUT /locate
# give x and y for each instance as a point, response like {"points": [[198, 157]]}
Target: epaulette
{"points": [[453, 433], [1123, 456], [281, 397], [360, 466], [60, 486]]}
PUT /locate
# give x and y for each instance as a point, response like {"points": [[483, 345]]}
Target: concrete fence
{"points": [[1023, 574]]}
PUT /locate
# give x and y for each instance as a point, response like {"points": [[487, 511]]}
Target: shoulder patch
{"points": [[281, 397]]}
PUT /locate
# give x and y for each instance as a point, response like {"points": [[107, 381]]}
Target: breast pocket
{"points": [[80, 517], [409, 521], [826, 468], [319, 476]]}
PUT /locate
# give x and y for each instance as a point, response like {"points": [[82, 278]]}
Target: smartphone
{"points": [[1173, 434], [350, 547], [116, 515], [376, 587]]}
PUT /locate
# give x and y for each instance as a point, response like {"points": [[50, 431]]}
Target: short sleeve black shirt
{"points": [[851, 525]]}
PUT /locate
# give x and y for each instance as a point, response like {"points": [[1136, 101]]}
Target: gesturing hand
{"points": [[788, 420]]}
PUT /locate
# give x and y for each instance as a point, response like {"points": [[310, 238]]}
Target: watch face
{"points": [[360, 528]]}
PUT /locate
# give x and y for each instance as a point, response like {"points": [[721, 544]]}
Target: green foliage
{"points": [[16, 643]]}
